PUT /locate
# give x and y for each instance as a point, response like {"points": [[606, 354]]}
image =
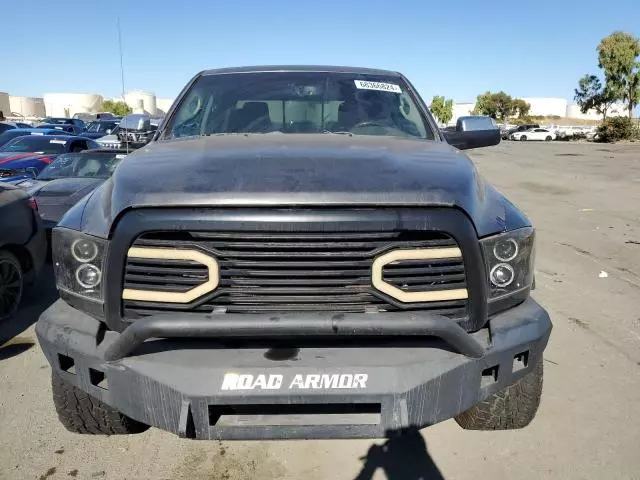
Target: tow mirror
{"points": [[473, 132]]}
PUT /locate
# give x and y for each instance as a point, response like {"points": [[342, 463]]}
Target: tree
{"points": [[500, 106], [618, 57], [590, 94], [521, 107], [442, 109], [119, 108]]}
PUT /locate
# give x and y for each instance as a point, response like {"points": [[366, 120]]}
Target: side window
{"points": [[79, 146]]}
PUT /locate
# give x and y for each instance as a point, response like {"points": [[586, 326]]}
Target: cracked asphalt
{"points": [[584, 200]]}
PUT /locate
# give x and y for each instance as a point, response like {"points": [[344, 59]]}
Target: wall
{"points": [[461, 110]]}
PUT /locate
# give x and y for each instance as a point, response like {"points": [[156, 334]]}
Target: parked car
{"points": [[68, 178], [65, 128], [534, 134], [520, 128], [26, 156], [78, 124], [100, 128], [21, 132], [5, 126], [22, 247], [350, 281]]}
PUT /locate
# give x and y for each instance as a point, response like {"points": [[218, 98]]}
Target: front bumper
{"points": [[229, 389]]}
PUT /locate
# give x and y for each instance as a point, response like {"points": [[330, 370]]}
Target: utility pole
{"points": [[121, 67]]}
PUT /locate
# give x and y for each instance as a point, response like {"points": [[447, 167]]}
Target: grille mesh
{"points": [[279, 272]]}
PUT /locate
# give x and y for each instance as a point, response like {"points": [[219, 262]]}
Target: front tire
{"points": [[548, 139], [11, 284], [512, 408], [523, 138], [81, 413]]}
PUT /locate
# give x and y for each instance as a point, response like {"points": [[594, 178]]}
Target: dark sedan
{"points": [[21, 132], [22, 246], [67, 179], [24, 157]]}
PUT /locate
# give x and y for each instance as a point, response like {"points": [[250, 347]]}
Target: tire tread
{"points": [[512, 408], [81, 413]]}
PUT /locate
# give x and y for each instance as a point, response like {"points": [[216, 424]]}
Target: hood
{"points": [[280, 170], [55, 197]]}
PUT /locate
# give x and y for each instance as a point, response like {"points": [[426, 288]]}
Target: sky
{"points": [[458, 49]]}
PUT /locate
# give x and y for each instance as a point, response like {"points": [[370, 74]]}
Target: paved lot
{"points": [[585, 201]]}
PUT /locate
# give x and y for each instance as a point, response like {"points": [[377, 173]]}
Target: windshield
{"points": [[35, 144], [10, 135], [86, 164], [299, 102], [100, 127]]}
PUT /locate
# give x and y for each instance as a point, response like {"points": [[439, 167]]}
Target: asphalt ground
{"points": [[584, 200]]}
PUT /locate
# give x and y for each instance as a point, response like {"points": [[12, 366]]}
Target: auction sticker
{"points": [[383, 87]]}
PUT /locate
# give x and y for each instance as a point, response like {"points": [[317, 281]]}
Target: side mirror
{"points": [[108, 131], [473, 132], [32, 171]]}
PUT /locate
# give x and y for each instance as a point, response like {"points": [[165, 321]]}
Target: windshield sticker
{"points": [[59, 142], [383, 87]]}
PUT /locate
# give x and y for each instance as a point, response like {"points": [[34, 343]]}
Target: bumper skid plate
{"points": [[215, 387]]}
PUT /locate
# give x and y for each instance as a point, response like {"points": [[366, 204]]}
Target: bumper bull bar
{"points": [[231, 382]]}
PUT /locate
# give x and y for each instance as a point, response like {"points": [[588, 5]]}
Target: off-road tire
{"points": [[511, 408], [81, 413]]}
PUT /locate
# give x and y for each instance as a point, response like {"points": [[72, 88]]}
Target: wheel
{"points": [[79, 412], [514, 407], [548, 139], [523, 138], [11, 284]]}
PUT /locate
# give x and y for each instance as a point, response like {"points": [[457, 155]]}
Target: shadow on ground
{"points": [[35, 300], [403, 457]]}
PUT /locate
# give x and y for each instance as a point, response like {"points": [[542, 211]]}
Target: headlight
{"points": [[78, 262], [509, 259]]}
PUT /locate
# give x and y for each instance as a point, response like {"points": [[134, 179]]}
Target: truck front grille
{"points": [[282, 272]]}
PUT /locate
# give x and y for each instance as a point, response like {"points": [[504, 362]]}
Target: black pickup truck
{"points": [[299, 252]]}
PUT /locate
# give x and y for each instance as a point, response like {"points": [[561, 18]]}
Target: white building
{"points": [[547, 107], [5, 105], [163, 104], [148, 99], [616, 110], [68, 104], [461, 110], [27, 106]]}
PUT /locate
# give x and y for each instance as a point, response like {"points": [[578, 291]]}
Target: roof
{"points": [[34, 130], [56, 137], [300, 68]]}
